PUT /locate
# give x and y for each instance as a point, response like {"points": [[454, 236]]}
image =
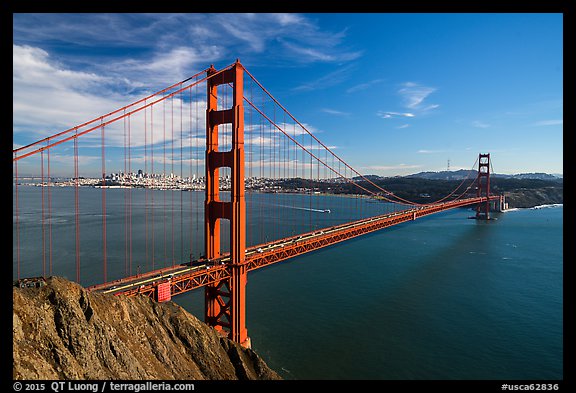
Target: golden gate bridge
{"points": [[220, 132]]}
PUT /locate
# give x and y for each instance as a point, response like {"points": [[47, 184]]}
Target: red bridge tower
{"points": [[225, 301], [483, 209]]}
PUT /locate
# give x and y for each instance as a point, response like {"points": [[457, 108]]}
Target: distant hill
{"points": [[462, 173], [539, 176], [523, 190], [444, 175]]}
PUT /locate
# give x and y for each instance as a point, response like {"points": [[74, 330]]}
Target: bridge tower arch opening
{"points": [[225, 300]]}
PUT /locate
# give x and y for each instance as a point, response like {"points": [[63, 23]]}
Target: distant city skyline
{"points": [[393, 94]]}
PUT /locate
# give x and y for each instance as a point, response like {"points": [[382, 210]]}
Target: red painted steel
{"points": [[225, 300], [483, 190], [163, 292], [186, 278]]}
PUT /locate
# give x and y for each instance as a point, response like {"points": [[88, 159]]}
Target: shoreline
{"points": [[538, 207], [280, 192]]}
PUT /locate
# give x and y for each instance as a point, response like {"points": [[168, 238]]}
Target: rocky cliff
{"points": [[523, 198], [61, 331]]}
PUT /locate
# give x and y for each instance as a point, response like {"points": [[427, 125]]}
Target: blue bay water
{"points": [[444, 297]]}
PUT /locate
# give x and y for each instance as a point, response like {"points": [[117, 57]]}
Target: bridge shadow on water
{"points": [[433, 313], [411, 297]]}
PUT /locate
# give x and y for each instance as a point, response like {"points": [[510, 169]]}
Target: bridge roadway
{"points": [[196, 274]]}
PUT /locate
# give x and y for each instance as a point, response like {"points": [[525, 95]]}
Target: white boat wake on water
{"points": [[305, 208], [294, 207]]}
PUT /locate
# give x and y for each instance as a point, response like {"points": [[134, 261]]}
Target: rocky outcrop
{"points": [[61, 331], [524, 198]]}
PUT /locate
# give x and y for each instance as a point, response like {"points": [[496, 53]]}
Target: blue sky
{"points": [[394, 94]]}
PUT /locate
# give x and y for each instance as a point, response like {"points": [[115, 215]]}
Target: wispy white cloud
{"points": [[47, 95], [480, 124], [312, 54], [48, 98], [390, 167], [120, 58], [176, 62], [288, 19], [413, 96], [555, 122], [282, 36], [30, 65], [428, 108], [55, 89], [388, 115], [403, 126], [330, 79], [364, 86], [424, 151], [334, 112]]}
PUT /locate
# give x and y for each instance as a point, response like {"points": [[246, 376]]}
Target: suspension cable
{"points": [[327, 148]]}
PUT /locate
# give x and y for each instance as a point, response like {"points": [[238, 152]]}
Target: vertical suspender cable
{"points": [[17, 219], [172, 178], [341, 194], [124, 180], [129, 198], [311, 186], [295, 175], [42, 214], [181, 178], [192, 177], [103, 205], [197, 193], [273, 167], [77, 207], [153, 176], [146, 186], [284, 176], [49, 213], [163, 183], [318, 183], [250, 141], [261, 218]]}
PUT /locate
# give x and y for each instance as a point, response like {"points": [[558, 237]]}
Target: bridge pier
{"points": [[502, 204]]}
